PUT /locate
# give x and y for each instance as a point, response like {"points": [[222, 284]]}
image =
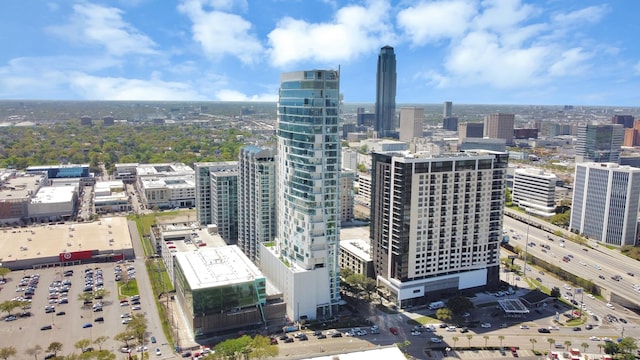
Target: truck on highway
{"points": [[436, 305]]}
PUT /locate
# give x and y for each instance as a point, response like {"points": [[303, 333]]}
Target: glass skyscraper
{"points": [[308, 181], [385, 124]]}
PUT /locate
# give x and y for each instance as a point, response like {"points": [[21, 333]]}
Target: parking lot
{"points": [[56, 312]]}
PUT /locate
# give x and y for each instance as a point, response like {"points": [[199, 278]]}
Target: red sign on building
{"points": [[76, 255]]}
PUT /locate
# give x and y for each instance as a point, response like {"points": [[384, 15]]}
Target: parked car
{"points": [[87, 325], [46, 327]]}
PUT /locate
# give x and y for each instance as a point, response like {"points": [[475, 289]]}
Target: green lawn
{"points": [[129, 289]]}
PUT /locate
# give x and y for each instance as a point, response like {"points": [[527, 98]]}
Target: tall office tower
{"points": [[386, 93], [599, 143], [499, 126], [304, 260], [447, 111], [349, 159], [632, 136], [203, 172], [624, 120], [436, 223], [470, 130], [224, 204], [450, 123], [605, 202], [347, 196], [411, 123], [535, 191], [256, 199]]}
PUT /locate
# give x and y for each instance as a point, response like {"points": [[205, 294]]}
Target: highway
{"points": [[592, 261]]}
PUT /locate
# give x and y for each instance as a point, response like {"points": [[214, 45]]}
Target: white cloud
{"points": [[221, 33], [233, 95], [433, 21], [636, 67], [591, 14], [117, 88], [95, 24], [503, 15], [571, 62], [355, 30]]}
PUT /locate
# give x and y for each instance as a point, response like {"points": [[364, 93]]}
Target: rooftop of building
{"points": [[209, 267], [163, 169], [358, 247], [19, 186], [50, 240], [54, 194], [174, 182]]}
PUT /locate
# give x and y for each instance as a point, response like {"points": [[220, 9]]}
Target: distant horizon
{"points": [[398, 105]]}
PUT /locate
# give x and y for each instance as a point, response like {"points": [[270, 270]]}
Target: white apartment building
{"points": [[535, 191], [605, 202]]}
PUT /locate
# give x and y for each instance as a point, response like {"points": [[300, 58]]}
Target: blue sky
{"points": [[547, 52]]}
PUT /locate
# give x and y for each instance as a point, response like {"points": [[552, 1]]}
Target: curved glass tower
{"points": [[386, 93], [308, 180]]}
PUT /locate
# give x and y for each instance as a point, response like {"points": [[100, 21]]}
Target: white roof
{"points": [[54, 194], [358, 247], [212, 267]]}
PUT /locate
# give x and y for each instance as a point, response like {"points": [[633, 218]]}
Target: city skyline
{"points": [[471, 52]]}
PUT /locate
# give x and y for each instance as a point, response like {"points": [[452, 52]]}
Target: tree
{"points": [[486, 338], [600, 346], [261, 348], [9, 305], [54, 347], [469, 337], [444, 314], [7, 352], [551, 341], [567, 343], [627, 345], [533, 342], [507, 196], [459, 305], [124, 336], [585, 346], [501, 338], [455, 340], [611, 348], [4, 272], [34, 351], [555, 292], [232, 348], [82, 344], [138, 327], [100, 340]]}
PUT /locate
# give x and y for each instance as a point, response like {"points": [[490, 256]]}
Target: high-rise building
{"points": [[203, 196], [347, 196], [605, 202], [256, 199], [303, 261], [450, 123], [599, 143], [447, 110], [385, 124], [224, 204], [349, 159], [470, 130], [436, 223], [534, 190], [624, 120], [411, 123], [499, 126]]}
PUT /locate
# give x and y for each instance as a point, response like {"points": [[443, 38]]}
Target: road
{"points": [[590, 261]]}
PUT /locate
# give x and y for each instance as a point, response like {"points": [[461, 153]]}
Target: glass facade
{"points": [[309, 160]]}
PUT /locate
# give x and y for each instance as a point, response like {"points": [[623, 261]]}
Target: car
{"points": [[25, 314], [49, 310], [514, 352], [451, 328], [394, 330], [49, 356], [435, 340], [99, 319], [464, 330], [60, 313], [577, 328], [415, 333], [273, 341], [125, 315], [553, 327], [87, 325], [158, 352], [601, 277], [97, 309], [46, 327], [622, 320], [86, 350], [10, 318], [289, 340], [544, 330], [336, 335], [485, 325], [187, 354], [303, 337], [153, 339], [524, 327], [126, 321], [141, 348], [590, 296], [323, 336], [630, 274], [588, 326], [594, 338]]}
